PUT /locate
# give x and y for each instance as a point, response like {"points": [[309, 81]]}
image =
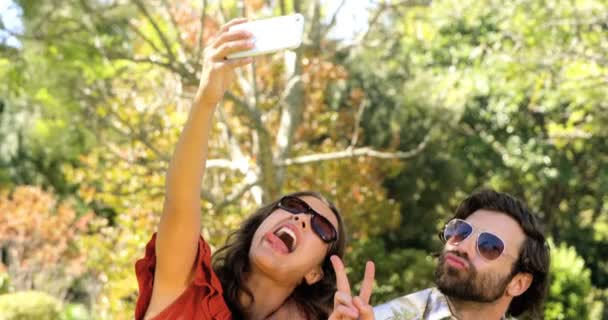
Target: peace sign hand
{"points": [[345, 306]]}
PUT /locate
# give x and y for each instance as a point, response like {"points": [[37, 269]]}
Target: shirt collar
{"points": [[440, 306]]}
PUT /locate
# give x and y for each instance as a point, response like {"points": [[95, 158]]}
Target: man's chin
{"points": [[453, 278], [449, 282], [460, 287]]}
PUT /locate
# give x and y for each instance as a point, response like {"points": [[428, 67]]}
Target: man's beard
{"points": [[468, 284]]}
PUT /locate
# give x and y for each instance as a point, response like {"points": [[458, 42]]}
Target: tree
{"points": [[39, 241], [398, 124], [131, 69], [514, 95]]}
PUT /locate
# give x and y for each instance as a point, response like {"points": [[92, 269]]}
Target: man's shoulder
{"points": [[411, 306]]}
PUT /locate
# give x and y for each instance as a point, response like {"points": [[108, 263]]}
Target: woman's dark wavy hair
{"points": [[534, 256], [231, 264]]}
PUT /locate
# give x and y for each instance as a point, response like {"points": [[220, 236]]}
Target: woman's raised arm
{"points": [[179, 228]]}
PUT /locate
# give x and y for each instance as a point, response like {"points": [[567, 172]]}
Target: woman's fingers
{"points": [[342, 298], [228, 41], [368, 282], [238, 62], [231, 47], [231, 23], [343, 307], [366, 312], [341, 278], [344, 304], [343, 312], [230, 36]]}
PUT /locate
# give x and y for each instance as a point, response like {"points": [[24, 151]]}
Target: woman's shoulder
{"points": [[203, 273], [205, 289]]}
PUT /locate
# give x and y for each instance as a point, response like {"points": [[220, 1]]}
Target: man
{"points": [[494, 265]]}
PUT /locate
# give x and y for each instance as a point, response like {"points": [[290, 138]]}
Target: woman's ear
{"points": [[314, 275]]}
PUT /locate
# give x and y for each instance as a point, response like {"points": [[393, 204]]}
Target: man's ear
{"points": [[314, 275], [519, 284]]}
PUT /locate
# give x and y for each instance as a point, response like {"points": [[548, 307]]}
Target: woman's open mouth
{"points": [[284, 239], [288, 237]]}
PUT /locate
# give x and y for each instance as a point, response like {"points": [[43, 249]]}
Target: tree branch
{"points": [[355, 138], [236, 194], [198, 54], [146, 60], [175, 26], [236, 154], [354, 153], [382, 7], [145, 38], [250, 111], [334, 19], [314, 33], [290, 115], [141, 6], [207, 196], [187, 76], [222, 164]]}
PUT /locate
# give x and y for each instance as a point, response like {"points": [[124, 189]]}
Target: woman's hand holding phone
{"points": [[217, 73], [235, 45]]}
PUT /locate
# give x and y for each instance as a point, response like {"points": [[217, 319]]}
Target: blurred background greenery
{"points": [[394, 109]]}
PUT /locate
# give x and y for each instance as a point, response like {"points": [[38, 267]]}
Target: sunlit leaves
{"points": [[41, 237]]}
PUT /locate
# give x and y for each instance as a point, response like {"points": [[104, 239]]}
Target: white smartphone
{"points": [[272, 35]]}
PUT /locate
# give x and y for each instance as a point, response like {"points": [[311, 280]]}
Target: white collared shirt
{"points": [[428, 304]]}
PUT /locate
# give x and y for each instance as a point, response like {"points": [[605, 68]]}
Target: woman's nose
{"points": [[301, 218]]}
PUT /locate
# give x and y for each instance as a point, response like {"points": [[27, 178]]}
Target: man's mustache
{"points": [[441, 255]]}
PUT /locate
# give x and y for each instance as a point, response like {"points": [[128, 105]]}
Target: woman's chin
{"points": [[273, 263]]}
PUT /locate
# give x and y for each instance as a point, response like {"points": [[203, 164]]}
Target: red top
{"points": [[202, 300]]}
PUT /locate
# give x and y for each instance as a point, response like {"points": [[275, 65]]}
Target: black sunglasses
{"points": [[321, 226], [489, 246]]}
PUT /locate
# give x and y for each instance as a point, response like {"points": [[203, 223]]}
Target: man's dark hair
{"points": [[534, 257]]}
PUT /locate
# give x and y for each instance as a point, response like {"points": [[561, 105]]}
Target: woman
{"points": [[275, 266]]}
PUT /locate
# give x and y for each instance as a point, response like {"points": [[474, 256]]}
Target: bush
{"points": [[5, 282], [29, 305], [40, 236], [398, 272], [570, 292], [75, 312]]}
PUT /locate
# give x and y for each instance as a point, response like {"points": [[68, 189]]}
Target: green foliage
{"points": [[510, 95], [29, 305], [570, 289], [112, 261], [398, 272], [40, 241], [75, 312], [39, 133], [599, 306], [5, 282]]}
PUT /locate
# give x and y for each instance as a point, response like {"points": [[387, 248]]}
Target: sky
{"points": [[351, 20], [10, 15]]}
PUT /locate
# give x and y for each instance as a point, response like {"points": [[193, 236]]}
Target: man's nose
{"points": [[466, 246]]}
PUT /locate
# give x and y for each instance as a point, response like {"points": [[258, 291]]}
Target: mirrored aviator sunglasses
{"points": [[489, 246], [320, 225]]}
